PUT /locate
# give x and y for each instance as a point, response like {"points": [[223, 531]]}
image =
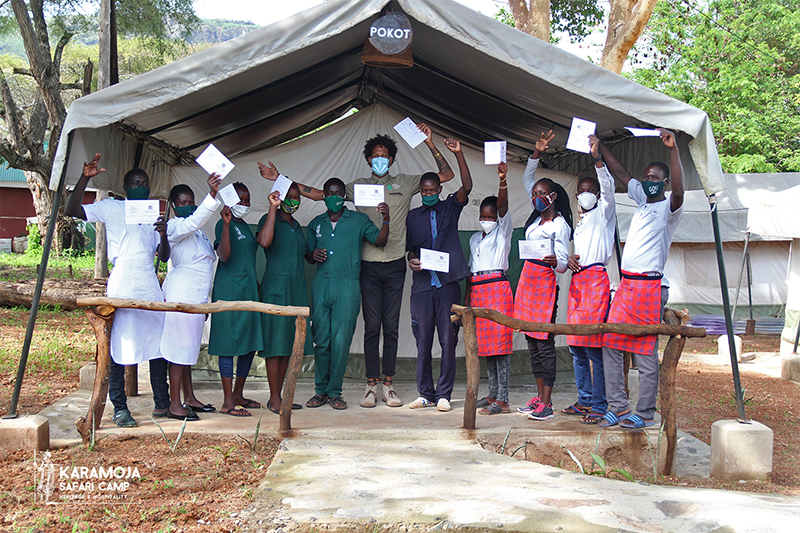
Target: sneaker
{"points": [[443, 405], [338, 403], [420, 402], [542, 411], [390, 396], [530, 406], [123, 419], [317, 400], [370, 396]]}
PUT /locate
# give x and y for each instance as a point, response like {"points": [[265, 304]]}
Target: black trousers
{"points": [[381, 298]]}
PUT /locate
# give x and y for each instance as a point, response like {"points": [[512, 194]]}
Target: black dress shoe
{"points": [[207, 408], [190, 417]]}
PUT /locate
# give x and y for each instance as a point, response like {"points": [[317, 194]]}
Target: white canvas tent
{"points": [[775, 216], [473, 78]]}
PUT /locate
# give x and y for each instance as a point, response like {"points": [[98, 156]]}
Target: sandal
{"points": [[611, 419], [576, 409], [483, 402], [635, 422], [236, 411], [494, 409], [317, 400], [592, 418], [250, 404], [338, 403]]}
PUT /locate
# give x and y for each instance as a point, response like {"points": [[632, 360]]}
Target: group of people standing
{"points": [[361, 259]]}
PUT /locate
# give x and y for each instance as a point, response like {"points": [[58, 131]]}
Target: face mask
{"points": [[138, 193], [587, 201], [380, 166], [240, 211], [542, 202], [334, 203], [431, 200], [652, 188], [488, 225], [290, 206], [183, 211]]}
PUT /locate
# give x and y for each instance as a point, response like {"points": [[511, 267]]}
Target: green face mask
{"points": [[431, 200], [184, 211], [652, 188], [334, 203], [138, 193], [289, 205]]}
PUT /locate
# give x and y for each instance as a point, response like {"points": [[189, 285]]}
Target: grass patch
{"points": [[22, 267]]}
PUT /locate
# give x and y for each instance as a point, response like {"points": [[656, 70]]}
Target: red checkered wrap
{"points": [[588, 303], [535, 300], [493, 338], [637, 301]]}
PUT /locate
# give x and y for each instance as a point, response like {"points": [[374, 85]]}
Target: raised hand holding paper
{"points": [[643, 132], [213, 161], [229, 195], [141, 211], [534, 249], [494, 152], [578, 139], [410, 132], [434, 260], [281, 185], [367, 195]]}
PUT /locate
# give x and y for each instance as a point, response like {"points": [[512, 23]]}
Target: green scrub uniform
{"points": [[236, 332], [336, 293], [284, 283]]}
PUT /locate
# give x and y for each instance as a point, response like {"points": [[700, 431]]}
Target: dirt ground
{"points": [[206, 483]]}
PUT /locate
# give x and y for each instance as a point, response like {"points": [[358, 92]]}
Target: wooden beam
{"points": [[473, 368], [101, 318], [669, 371], [215, 307], [295, 363]]}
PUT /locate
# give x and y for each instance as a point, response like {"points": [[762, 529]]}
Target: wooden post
{"points": [[473, 368], [293, 371], [669, 370], [101, 319], [131, 380]]}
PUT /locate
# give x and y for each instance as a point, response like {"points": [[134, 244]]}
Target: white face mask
{"points": [[240, 211], [587, 201], [488, 225]]}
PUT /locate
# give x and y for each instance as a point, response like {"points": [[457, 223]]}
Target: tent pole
{"points": [[617, 248], [726, 306], [741, 272], [749, 285], [37, 293]]}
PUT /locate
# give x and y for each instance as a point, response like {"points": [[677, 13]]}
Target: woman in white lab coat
{"points": [[189, 281]]}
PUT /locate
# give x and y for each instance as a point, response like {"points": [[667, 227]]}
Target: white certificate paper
{"points": [[141, 211], [494, 152], [578, 139], [367, 195], [213, 161], [229, 195], [281, 185], [410, 132], [434, 260], [534, 249], [643, 132]]}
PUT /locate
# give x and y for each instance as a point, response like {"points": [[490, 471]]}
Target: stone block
{"points": [[724, 348], [88, 373], [790, 366], [26, 432], [740, 451]]}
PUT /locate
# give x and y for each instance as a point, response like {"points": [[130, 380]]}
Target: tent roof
{"points": [[772, 211], [474, 77]]}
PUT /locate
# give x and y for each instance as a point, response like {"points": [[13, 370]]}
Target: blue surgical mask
{"points": [[380, 166]]}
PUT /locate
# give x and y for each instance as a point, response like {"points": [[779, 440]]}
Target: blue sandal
{"points": [[636, 422], [611, 419]]}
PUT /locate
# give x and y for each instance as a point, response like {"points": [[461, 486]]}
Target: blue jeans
{"points": [[242, 365], [591, 385]]}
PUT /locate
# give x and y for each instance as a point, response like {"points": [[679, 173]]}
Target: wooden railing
{"points": [[100, 311], [675, 327]]}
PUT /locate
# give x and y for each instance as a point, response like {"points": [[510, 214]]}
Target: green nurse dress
{"points": [[284, 283], [236, 332]]}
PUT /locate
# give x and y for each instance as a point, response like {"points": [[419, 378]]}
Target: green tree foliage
{"points": [[739, 61], [577, 18]]}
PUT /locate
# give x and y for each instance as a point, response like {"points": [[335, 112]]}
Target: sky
{"points": [[268, 11]]}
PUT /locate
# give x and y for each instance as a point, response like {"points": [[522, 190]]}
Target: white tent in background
{"points": [[775, 216]]}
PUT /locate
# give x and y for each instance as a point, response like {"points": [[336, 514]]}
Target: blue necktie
{"points": [[434, 276]]}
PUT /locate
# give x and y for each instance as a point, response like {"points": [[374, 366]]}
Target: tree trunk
{"points": [[100, 247], [626, 22], [42, 200], [533, 17]]}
